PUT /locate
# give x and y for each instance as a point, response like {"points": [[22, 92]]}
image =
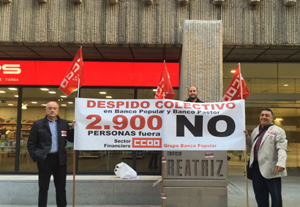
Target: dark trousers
{"points": [[47, 167], [263, 187]]}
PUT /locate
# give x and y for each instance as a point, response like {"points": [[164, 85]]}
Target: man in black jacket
{"points": [[47, 145], [193, 93]]}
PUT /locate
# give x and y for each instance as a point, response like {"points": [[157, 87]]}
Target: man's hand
{"points": [[279, 169], [73, 124], [246, 133]]}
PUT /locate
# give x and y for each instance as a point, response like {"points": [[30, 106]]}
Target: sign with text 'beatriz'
{"points": [[103, 124]]}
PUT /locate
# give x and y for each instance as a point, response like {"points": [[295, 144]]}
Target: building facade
{"points": [[126, 40]]}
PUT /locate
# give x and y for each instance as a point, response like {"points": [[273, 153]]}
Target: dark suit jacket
{"points": [[40, 141]]}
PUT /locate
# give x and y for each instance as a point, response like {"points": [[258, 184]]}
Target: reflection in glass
{"points": [[297, 85], [286, 86], [149, 93], [263, 86], [8, 127]]}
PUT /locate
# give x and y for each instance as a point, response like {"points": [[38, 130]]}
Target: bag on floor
{"points": [[123, 170]]}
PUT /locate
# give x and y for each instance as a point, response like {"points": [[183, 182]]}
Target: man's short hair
{"points": [[267, 109], [192, 86]]}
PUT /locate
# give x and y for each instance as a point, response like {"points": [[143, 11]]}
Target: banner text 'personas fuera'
{"points": [[158, 125]]}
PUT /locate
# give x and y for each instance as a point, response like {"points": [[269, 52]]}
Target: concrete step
{"points": [[92, 191]]}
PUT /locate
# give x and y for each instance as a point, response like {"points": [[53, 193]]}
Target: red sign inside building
{"points": [[51, 73]]}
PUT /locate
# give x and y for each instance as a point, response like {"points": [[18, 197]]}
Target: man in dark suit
{"points": [[47, 145]]}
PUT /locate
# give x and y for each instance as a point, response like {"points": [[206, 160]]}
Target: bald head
{"points": [[52, 110]]}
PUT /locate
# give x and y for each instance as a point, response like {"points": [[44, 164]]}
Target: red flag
{"points": [[233, 91], [164, 88], [70, 82]]}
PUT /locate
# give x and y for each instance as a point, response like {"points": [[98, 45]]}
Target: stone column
{"points": [[201, 60], [201, 66]]}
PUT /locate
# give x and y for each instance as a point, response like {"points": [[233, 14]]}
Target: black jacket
{"points": [[189, 100], [40, 141]]}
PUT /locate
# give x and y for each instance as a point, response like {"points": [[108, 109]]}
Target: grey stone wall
{"points": [[132, 22], [201, 60]]}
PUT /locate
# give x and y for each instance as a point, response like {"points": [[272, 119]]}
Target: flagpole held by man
{"points": [[72, 81], [164, 91]]}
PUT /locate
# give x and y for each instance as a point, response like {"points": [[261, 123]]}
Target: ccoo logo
{"points": [[146, 142], [10, 69]]}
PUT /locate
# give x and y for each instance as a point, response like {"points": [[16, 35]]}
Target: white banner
{"points": [[106, 124]]}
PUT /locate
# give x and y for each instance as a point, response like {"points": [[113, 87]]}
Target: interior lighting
{"points": [[63, 96], [2, 92], [232, 71], [10, 104], [63, 104], [108, 96], [34, 102], [16, 96], [43, 104], [154, 89], [44, 89], [285, 84], [52, 92], [70, 102], [13, 89], [278, 119], [24, 106], [102, 92]]}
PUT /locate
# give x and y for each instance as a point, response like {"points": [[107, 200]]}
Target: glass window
{"points": [[104, 161], [286, 85], [297, 85], [8, 127], [33, 108], [259, 85], [288, 70], [149, 93], [269, 79]]}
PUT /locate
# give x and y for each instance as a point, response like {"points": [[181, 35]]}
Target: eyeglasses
{"points": [[50, 108]]}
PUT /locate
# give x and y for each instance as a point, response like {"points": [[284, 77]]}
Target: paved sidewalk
{"points": [[236, 193]]}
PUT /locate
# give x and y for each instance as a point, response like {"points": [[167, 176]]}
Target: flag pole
{"points": [[74, 155], [78, 87], [74, 160], [245, 151], [162, 168], [241, 86], [162, 155]]}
